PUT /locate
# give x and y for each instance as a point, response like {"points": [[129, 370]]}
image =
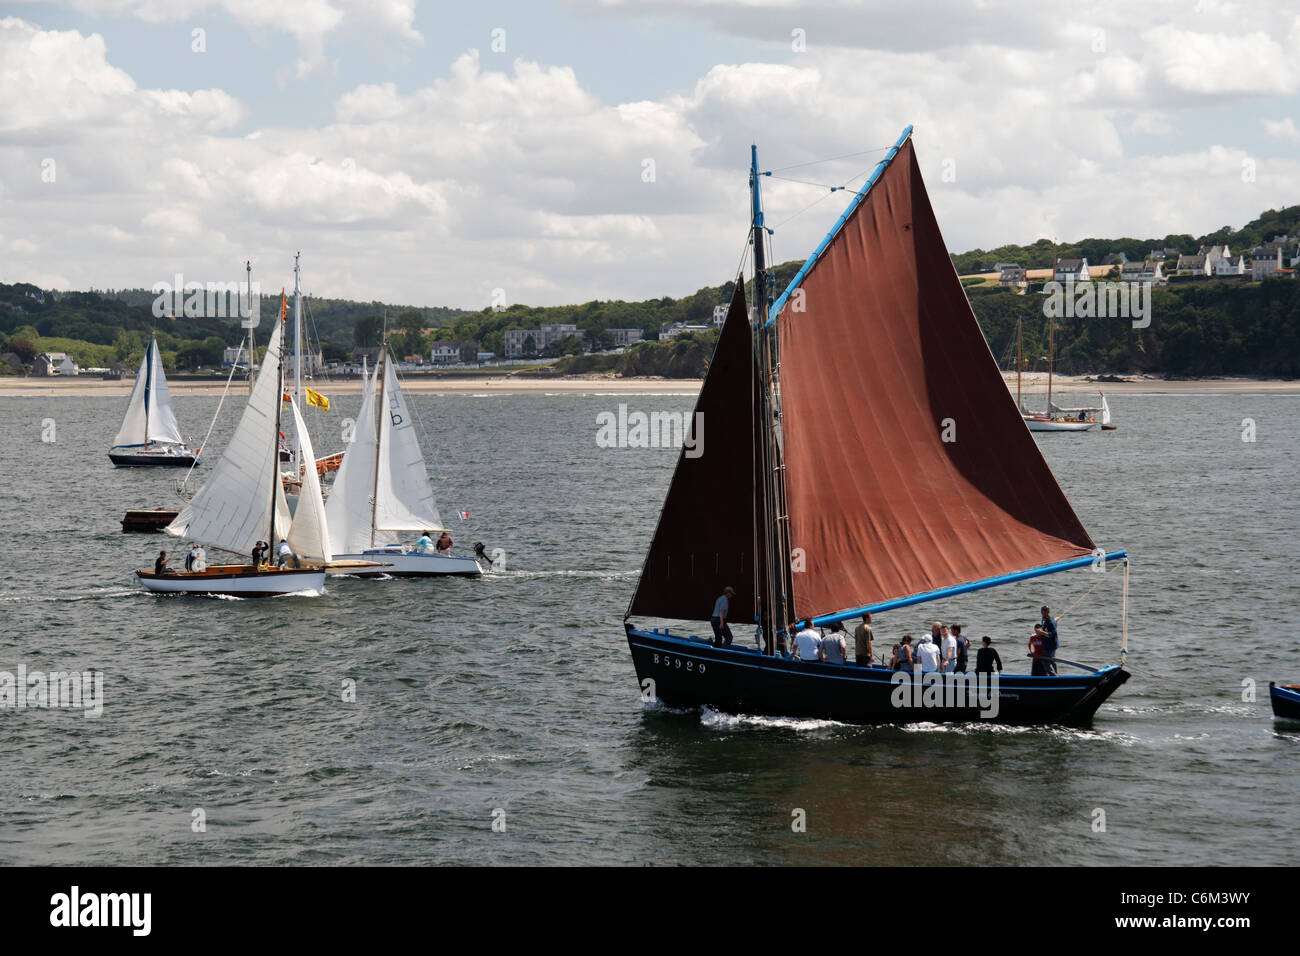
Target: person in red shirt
{"points": [[1036, 643]]}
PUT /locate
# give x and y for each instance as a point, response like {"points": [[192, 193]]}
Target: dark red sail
{"points": [[705, 537], [885, 362]]}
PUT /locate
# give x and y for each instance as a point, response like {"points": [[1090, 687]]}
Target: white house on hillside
{"points": [[1193, 265], [1071, 270]]}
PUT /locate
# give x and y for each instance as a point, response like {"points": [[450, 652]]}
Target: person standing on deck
{"points": [[807, 644], [986, 658], [1036, 642], [721, 632], [948, 651], [444, 543], [862, 638], [191, 557], [1051, 641], [963, 649], [927, 654], [906, 660], [834, 649]]}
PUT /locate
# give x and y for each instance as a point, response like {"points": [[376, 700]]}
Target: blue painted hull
{"points": [[687, 674], [1286, 702]]}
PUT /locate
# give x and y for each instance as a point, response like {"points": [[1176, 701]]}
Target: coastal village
{"points": [[1275, 259]]}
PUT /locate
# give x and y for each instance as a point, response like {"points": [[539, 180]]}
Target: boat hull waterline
{"points": [[739, 680], [123, 459], [1057, 425], [234, 581], [397, 563]]}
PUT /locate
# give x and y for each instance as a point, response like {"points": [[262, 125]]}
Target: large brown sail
{"points": [[908, 465], [705, 537]]}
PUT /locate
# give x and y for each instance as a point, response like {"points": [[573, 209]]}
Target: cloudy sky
{"points": [[430, 153]]}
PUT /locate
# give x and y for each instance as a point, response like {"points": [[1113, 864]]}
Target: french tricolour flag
{"points": [[463, 515]]}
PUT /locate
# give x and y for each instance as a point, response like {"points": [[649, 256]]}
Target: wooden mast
{"points": [[773, 605]]}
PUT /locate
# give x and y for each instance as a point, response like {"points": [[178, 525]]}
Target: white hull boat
{"points": [[382, 491], [400, 561], [1058, 425], [243, 502], [235, 581]]}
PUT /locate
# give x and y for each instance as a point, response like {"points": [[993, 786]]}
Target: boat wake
{"points": [[717, 720]]}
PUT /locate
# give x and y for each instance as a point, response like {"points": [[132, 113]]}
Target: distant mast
{"points": [[297, 358], [252, 347]]}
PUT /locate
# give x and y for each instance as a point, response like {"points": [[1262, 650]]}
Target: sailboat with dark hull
{"points": [[863, 455]]}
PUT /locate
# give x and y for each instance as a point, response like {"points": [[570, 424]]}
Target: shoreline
{"points": [[1032, 383]]}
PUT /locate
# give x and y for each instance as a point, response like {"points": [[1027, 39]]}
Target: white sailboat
{"points": [[1056, 419], [382, 488], [243, 502], [150, 435]]}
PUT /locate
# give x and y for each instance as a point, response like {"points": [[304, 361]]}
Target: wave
{"points": [[717, 720]]}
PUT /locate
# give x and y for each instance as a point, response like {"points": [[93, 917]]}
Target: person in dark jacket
{"points": [[986, 658]]}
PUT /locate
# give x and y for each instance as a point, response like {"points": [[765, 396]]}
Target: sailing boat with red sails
{"points": [[863, 455]]}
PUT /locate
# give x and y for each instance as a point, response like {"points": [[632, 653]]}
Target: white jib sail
{"points": [[162, 419], [132, 430], [403, 496], [233, 508], [347, 512], [308, 534], [1105, 410]]}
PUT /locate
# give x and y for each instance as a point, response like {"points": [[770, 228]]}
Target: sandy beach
{"points": [[1033, 384]]}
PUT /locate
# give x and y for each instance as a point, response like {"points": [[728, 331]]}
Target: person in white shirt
{"points": [[834, 650], [948, 651], [285, 555], [927, 654], [807, 644]]}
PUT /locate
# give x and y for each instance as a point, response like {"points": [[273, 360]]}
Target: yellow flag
{"points": [[316, 398]]}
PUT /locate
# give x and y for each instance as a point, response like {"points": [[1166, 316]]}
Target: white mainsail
{"points": [[403, 496], [133, 422], [348, 512], [162, 419], [1105, 409], [232, 510], [308, 534], [149, 416]]}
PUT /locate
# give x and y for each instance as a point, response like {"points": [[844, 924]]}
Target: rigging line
{"points": [[831, 191], [233, 366], [1075, 603], [878, 149], [808, 182]]}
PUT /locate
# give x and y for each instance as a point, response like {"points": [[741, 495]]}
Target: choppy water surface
{"points": [[515, 692]]}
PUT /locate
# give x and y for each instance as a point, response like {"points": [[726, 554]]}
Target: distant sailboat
{"points": [[382, 488], [865, 455], [150, 435], [243, 502], [1056, 418]]}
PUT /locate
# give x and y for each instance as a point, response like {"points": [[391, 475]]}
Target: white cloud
{"points": [[1284, 128], [311, 22], [519, 177]]}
